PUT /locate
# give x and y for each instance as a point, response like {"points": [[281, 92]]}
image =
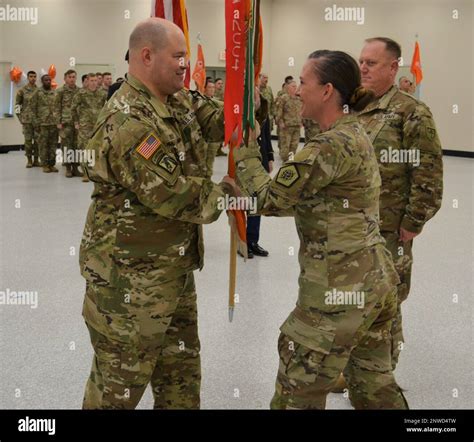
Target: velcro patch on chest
{"points": [[288, 175], [148, 146], [167, 163]]}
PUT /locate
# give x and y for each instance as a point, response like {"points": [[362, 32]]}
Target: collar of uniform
{"points": [[382, 102], [345, 119], [158, 105]]}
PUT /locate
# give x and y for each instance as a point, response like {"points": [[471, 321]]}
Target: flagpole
{"points": [[232, 269]]}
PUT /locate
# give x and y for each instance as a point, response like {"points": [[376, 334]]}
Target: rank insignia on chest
{"points": [[168, 163], [148, 146], [288, 175]]}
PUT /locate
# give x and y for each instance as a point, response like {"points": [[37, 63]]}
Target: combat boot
{"points": [[85, 179], [68, 171], [53, 169], [75, 171], [36, 163], [29, 164], [46, 169]]}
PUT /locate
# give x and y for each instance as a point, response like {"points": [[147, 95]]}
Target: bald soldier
{"points": [[409, 154], [143, 234]]}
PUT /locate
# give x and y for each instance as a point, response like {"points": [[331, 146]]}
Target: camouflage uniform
{"points": [[63, 115], [219, 94], [42, 104], [311, 129], [332, 189], [141, 243], [85, 109], [25, 115], [289, 113], [267, 93], [276, 107], [410, 194], [212, 147]]}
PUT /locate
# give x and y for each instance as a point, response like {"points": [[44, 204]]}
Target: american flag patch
{"points": [[148, 146]]}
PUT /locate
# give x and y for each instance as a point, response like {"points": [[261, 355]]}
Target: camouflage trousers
{"points": [[403, 260], [48, 143], [68, 136], [31, 134], [289, 139], [84, 134], [141, 337], [315, 347], [211, 153]]}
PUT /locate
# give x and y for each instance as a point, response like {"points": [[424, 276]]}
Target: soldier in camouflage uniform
{"points": [[276, 107], [63, 118], [25, 115], [331, 188], [85, 110], [42, 105], [267, 93], [311, 129], [143, 234], [219, 93], [289, 120], [404, 136], [212, 147]]}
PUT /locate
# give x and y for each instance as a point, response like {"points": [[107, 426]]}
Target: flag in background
{"points": [[199, 73], [175, 11], [415, 68]]}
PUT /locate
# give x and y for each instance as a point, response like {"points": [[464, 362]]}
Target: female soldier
{"points": [[347, 284]]}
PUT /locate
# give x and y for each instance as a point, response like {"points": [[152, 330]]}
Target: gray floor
{"points": [[45, 354]]}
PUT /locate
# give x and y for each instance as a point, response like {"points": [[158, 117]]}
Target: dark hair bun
{"points": [[360, 98]]}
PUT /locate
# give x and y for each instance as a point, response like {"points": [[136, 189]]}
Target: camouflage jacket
{"points": [[219, 95], [289, 111], [150, 196], [86, 106], [42, 105], [267, 93], [63, 106], [311, 129], [332, 189], [409, 153], [23, 104]]}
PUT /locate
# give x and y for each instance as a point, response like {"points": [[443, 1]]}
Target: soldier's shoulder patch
{"points": [[168, 163], [430, 133], [148, 146], [288, 175]]}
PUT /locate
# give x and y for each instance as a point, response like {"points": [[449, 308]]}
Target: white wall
{"points": [[298, 28], [96, 31]]}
